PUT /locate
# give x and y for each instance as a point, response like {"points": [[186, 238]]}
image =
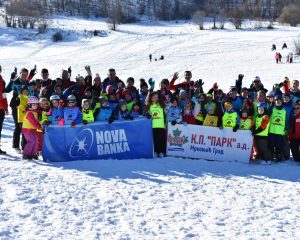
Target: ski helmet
{"points": [[262, 104], [33, 100], [270, 94], [54, 97], [278, 97], [102, 99], [71, 98]]}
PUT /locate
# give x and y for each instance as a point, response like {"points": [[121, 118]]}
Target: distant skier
{"points": [[273, 47], [277, 57], [161, 57], [284, 46], [150, 57]]}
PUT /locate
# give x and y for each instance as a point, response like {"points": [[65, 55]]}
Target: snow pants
{"points": [[30, 148], [159, 140], [262, 148], [276, 143]]}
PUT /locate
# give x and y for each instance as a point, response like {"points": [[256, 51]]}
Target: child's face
{"points": [[261, 97], [245, 94], [25, 92], [144, 89], [86, 105], [286, 99], [278, 102], [271, 99], [174, 104], [128, 98], [210, 111], [260, 110], [136, 108], [228, 108], [123, 108], [55, 103], [71, 104], [187, 106], [43, 104], [163, 86], [34, 106], [244, 115], [58, 91], [154, 98]]}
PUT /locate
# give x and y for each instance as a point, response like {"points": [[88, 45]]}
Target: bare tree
{"points": [[237, 16], [290, 14], [199, 18], [297, 45], [114, 16]]}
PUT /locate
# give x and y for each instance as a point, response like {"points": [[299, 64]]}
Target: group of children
{"points": [[272, 116]]}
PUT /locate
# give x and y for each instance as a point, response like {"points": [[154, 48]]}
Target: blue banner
{"points": [[98, 141]]}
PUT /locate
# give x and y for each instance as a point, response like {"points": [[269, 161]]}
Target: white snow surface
{"points": [[170, 198]]}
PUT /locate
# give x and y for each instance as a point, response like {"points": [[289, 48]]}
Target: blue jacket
{"points": [[56, 114], [72, 115], [174, 114], [104, 114]]}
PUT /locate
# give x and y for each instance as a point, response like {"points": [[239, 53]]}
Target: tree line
{"points": [[36, 13]]}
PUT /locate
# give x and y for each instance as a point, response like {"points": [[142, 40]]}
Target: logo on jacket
{"points": [[82, 144]]}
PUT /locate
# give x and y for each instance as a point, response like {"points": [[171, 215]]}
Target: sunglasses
{"points": [[71, 102]]}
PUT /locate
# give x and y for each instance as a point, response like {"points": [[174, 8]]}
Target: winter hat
{"points": [[102, 99], [227, 104], [257, 78], [209, 95], [109, 88], [270, 94], [182, 93], [122, 103], [84, 101], [24, 88], [79, 78], [130, 79], [232, 89]]}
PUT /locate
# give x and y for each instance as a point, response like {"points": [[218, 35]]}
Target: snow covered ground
{"points": [[156, 198]]}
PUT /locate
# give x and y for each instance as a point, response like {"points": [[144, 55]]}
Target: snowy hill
{"points": [[166, 198]]}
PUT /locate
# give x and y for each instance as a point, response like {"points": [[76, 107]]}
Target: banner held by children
{"points": [[209, 143], [97, 141]]}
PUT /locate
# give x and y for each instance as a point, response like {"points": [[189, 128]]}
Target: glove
{"points": [[194, 100], [235, 128], [47, 123], [110, 120], [88, 70], [199, 83], [173, 123], [33, 71], [221, 127], [61, 122], [240, 77], [73, 124], [84, 122], [151, 83], [70, 71], [185, 123], [13, 75]]}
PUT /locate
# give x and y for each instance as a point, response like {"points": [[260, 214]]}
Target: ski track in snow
{"points": [[168, 198]]}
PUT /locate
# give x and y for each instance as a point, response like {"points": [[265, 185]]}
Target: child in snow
{"points": [[136, 111], [155, 110], [56, 110], [87, 112], [43, 120], [174, 113], [104, 112], [30, 127], [278, 129], [128, 99], [230, 118], [121, 112], [72, 114], [211, 119], [261, 133], [246, 122], [191, 110]]}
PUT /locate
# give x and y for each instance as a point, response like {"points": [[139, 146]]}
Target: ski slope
{"points": [[168, 198]]}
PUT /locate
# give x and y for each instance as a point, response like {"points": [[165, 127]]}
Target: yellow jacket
{"points": [[22, 107]]}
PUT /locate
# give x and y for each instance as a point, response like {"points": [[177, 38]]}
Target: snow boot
{"points": [[2, 152]]}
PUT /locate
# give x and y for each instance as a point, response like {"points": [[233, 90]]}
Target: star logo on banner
{"points": [[81, 145]]}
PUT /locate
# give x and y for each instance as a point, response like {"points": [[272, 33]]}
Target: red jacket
{"points": [[190, 119], [295, 127], [3, 100]]}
